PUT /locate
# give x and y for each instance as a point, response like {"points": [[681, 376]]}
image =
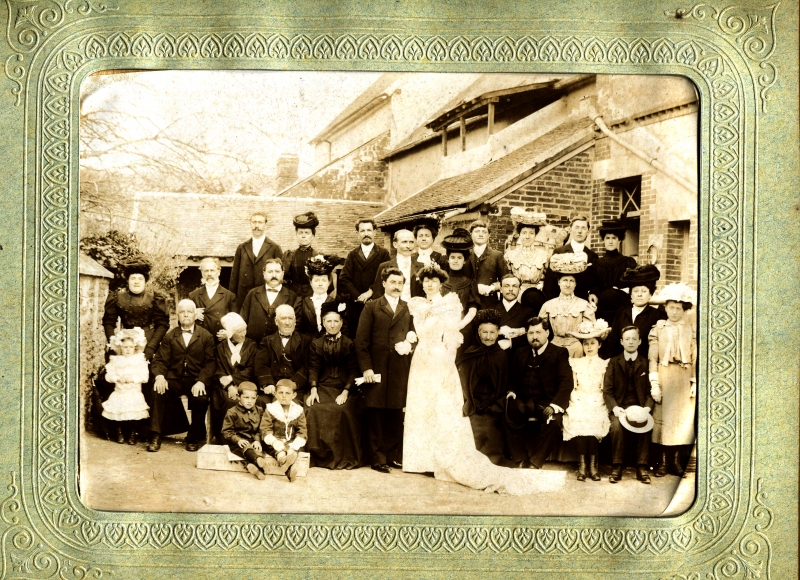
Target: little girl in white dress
{"points": [[127, 370]]}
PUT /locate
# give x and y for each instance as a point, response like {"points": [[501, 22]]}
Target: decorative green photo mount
{"points": [[739, 56]]}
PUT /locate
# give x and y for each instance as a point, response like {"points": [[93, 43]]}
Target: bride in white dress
{"points": [[437, 437]]}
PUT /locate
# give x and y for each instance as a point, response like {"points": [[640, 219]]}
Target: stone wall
{"points": [[93, 291]]}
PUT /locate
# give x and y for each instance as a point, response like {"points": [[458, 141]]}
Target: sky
{"points": [[252, 115]]}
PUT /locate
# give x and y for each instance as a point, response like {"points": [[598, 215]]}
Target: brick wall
{"points": [[559, 192], [359, 176]]}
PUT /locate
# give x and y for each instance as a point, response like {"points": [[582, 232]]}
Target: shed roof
{"points": [[477, 186], [196, 225], [90, 267]]}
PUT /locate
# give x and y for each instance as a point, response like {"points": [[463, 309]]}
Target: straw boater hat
{"points": [[527, 218], [675, 292], [616, 227], [569, 263], [646, 275], [319, 265], [137, 265], [636, 419], [306, 220], [459, 241], [587, 329]]}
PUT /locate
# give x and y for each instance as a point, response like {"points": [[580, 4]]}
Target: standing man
{"points": [[259, 307], [405, 244], [360, 269], [248, 262], [212, 300], [425, 233], [294, 261], [384, 323], [514, 316], [282, 355], [184, 365], [585, 282], [488, 266], [541, 379]]}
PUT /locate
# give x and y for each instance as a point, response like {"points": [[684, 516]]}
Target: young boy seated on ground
{"points": [[283, 427], [241, 430]]}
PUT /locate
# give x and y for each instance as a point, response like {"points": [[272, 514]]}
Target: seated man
{"points": [[513, 315], [282, 355], [184, 365], [626, 386], [483, 370], [542, 382]]}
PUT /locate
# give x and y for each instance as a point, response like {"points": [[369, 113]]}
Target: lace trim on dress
{"points": [[559, 307]]}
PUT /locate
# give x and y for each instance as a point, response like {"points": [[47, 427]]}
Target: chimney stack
{"points": [[286, 170]]}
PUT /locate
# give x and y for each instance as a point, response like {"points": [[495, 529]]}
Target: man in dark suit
{"points": [[212, 300], [404, 243], [542, 383], [184, 365], [359, 271], [585, 282], [425, 233], [626, 384], [488, 266], [258, 309], [249, 259], [513, 315], [384, 323], [282, 355]]}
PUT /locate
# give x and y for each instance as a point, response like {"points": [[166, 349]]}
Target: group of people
{"points": [[469, 364]]}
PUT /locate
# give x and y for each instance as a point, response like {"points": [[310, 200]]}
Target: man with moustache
{"points": [[513, 315], [585, 282], [384, 323], [425, 233], [405, 244], [212, 300], [259, 306], [184, 365], [282, 355], [250, 257], [359, 271], [541, 381], [488, 266]]}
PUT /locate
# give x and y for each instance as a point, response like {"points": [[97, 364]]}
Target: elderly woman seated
{"points": [[235, 357], [333, 414]]}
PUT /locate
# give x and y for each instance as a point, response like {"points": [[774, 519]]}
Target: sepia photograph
{"points": [[388, 293]]}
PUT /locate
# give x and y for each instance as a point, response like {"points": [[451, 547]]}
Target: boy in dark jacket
{"points": [[241, 430]]}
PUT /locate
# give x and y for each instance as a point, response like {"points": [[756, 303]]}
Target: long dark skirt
{"points": [[334, 431]]}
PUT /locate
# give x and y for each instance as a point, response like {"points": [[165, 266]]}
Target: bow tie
{"points": [[284, 335], [190, 331], [272, 291], [630, 359]]}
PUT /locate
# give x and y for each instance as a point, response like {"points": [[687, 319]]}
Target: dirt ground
{"points": [[117, 477]]}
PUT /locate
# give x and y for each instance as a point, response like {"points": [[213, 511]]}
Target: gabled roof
{"points": [[89, 267], [476, 187], [198, 225], [375, 91]]}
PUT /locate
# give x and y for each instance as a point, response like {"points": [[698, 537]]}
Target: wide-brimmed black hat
{"points": [[460, 240], [338, 306], [431, 224], [137, 265], [645, 275], [306, 220], [616, 227], [319, 266]]}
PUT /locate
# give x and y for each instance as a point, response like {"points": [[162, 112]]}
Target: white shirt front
{"points": [[284, 340], [257, 243], [577, 248], [187, 335], [404, 263], [424, 256], [508, 305], [631, 356], [211, 289], [393, 302], [272, 293], [636, 311], [367, 250], [478, 250], [542, 349], [318, 300]]}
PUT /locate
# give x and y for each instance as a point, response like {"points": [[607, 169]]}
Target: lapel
{"points": [[275, 344], [248, 247], [282, 297], [384, 304], [401, 307], [264, 247], [179, 338], [261, 296], [209, 302], [372, 255], [294, 342]]}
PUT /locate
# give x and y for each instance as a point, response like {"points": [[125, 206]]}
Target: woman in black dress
{"points": [[458, 246], [609, 269], [333, 414], [318, 269]]}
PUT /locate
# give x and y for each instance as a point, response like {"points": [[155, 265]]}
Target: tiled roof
{"points": [[377, 89], [194, 224], [477, 186], [89, 267]]}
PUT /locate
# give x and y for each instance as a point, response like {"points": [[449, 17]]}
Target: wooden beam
{"points": [[444, 142], [463, 129], [490, 118]]}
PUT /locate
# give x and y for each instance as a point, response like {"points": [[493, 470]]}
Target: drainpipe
{"points": [[598, 120]]}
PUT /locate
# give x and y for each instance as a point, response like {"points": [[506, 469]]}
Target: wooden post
{"points": [[463, 128], [444, 142], [490, 119]]}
